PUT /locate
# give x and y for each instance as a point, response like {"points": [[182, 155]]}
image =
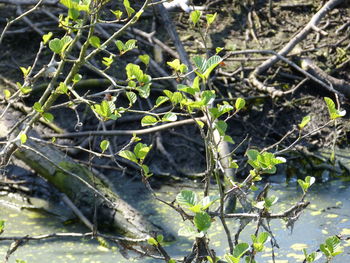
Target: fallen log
{"points": [[82, 187]]}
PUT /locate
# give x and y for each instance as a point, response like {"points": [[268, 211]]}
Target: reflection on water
{"points": [[328, 214]]}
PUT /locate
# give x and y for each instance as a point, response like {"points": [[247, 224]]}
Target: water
{"points": [[328, 214]]}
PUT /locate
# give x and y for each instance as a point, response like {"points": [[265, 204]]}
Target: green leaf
{"points": [[195, 16], [160, 238], [310, 180], [118, 14], [229, 139], [172, 261], [262, 237], [58, 46], [37, 107], [211, 64], [120, 45], [304, 122], [134, 71], [240, 249], [47, 37], [25, 90], [270, 201], [95, 41], [148, 120], [207, 97], [333, 112], [128, 155], [145, 59], [48, 117], [187, 198], [25, 71], [199, 62], [23, 138], [2, 226], [107, 61], [238, 252], [239, 104], [202, 221], [152, 241], [73, 14], [104, 145], [252, 154], [233, 165], [62, 88], [170, 116], [200, 123], [144, 91], [128, 8], [210, 18], [7, 94], [55, 45], [175, 64], [77, 77], [160, 100], [218, 50], [221, 126], [141, 150], [130, 45], [132, 97], [186, 89]]}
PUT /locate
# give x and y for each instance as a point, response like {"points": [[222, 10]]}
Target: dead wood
{"points": [[83, 187], [315, 20]]}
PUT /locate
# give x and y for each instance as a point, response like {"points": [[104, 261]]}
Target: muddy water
{"points": [[328, 214]]}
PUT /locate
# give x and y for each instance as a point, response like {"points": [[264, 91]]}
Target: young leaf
{"points": [[152, 241], [132, 97], [141, 150], [55, 45], [118, 14], [304, 122], [128, 8], [47, 37], [202, 221], [148, 120], [170, 116], [107, 61], [7, 94], [95, 41], [239, 104], [145, 59], [210, 65], [104, 145], [221, 126], [160, 238], [128, 155], [48, 117], [77, 77], [187, 198], [37, 107], [25, 71], [62, 88], [195, 16], [160, 100], [210, 18], [23, 138], [333, 112]]}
